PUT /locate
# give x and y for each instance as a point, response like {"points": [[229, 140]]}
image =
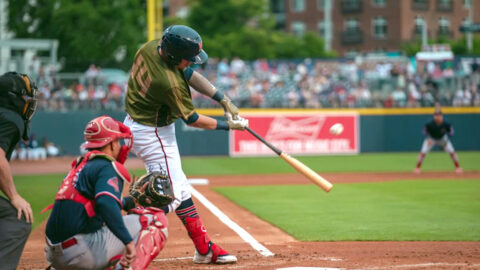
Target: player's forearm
{"points": [[205, 122], [202, 85], [6, 180]]}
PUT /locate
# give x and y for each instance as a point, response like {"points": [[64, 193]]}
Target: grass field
{"points": [[401, 210], [384, 162], [40, 190]]}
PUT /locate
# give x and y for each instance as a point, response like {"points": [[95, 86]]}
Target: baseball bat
{"points": [[296, 164]]}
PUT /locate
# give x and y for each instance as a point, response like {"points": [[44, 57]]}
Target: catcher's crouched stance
{"points": [[86, 229]]}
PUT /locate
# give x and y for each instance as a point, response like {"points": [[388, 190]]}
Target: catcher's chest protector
{"points": [[67, 190]]}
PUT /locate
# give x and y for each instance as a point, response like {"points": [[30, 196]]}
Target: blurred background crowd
{"points": [[285, 84]]}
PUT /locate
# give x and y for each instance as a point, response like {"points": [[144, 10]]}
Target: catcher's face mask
{"points": [[30, 97]]}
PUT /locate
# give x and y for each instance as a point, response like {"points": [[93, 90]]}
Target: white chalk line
{"points": [[173, 259], [232, 225], [418, 265]]}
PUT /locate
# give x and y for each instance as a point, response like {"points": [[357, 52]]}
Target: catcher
{"points": [[438, 132], [86, 229]]}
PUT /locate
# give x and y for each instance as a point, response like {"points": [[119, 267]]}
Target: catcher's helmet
{"points": [[182, 42], [103, 130]]}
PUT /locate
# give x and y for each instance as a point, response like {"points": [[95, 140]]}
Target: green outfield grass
{"points": [[384, 162], [402, 210], [40, 190]]}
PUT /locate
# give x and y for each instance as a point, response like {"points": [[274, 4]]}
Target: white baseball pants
{"points": [[157, 147]]}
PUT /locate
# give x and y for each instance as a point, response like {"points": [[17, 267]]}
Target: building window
{"points": [[467, 3], [379, 3], [419, 23], [443, 26], [298, 5], [420, 4], [321, 28], [277, 6], [444, 5], [351, 25], [379, 27], [298, 28], [320, 4], [351, 6]]}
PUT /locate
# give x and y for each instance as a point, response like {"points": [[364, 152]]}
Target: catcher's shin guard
{"points": [[152, 238], [205, 250]]}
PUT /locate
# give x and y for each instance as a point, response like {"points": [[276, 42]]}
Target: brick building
{"points": [[375, 25]]}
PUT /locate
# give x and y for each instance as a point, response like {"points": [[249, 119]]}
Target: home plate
{"points": [[308, 268], [198, 181]]}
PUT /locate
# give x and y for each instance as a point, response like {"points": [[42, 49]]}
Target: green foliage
{"points": [[419, 210], [245, 28], [89, 31]]}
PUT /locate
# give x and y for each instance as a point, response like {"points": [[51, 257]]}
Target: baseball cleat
{"points": [[215, 255], [458, 170], [416, 171]]}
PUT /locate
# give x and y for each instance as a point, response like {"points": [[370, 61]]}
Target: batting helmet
{"points": [[182, 42], [103, 130]]}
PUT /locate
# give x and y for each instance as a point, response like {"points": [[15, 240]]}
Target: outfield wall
{"points": [[380, 130]]}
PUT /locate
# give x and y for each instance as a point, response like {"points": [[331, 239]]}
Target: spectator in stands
{"points": [[91, 74], [399, 98]]}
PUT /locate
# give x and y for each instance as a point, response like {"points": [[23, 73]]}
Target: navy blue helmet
{"points": [[182, 42]]}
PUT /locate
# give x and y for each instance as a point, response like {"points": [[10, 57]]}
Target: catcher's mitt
{"points": [[158, 193]]}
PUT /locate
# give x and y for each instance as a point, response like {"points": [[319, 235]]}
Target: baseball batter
{"points": [[86, 229], [437, 132], [158, 94]]}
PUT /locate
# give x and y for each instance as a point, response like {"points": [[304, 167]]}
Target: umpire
{"points": [[17, 105]]}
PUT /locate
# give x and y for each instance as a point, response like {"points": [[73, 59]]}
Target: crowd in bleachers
{"points": [[341, 84], [290, 84], [91, 91]]}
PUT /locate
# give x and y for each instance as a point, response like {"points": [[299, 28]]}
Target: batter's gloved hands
{"points": [[239, 124], [152, 189], [229, 107]]}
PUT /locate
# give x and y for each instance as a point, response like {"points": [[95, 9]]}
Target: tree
{"points": [[245, 28], [89, 31]]}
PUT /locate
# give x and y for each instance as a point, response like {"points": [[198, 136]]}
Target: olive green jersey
{"points": [[158, 93]]}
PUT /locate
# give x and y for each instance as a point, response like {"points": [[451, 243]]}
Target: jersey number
{"points": [[141, 76]]}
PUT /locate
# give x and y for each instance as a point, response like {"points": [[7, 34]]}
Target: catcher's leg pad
{"points": [[206, 251], [152, 238]]}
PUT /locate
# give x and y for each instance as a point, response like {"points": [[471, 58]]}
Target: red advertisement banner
{"points": [[305, 134]]}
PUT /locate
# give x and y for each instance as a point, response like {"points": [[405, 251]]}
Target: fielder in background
{"points": [[437, 132], [18, 98], [158, 94], [86, 229]]}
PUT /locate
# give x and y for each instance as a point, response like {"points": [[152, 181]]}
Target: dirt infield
{"points": [[288, 252]]}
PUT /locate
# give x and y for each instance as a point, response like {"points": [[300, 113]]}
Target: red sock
{"points": [[455, 159], [420, 159]]}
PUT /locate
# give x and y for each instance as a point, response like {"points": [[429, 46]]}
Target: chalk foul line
{"points": [[248, 238]]}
